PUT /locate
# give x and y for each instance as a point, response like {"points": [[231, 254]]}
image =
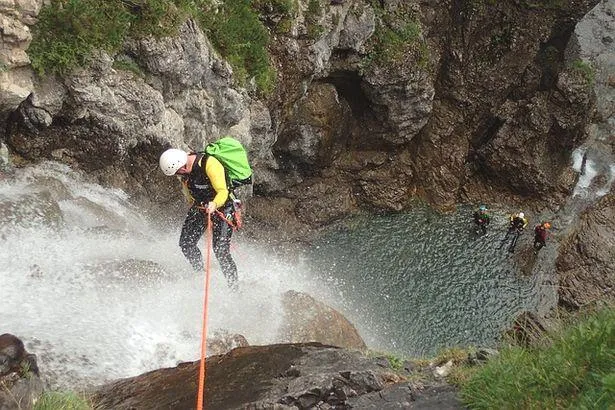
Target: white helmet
{"points": [[171, 160], [521, 214]]}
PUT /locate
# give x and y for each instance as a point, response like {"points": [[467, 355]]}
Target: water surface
{"points": [[420, 281]]}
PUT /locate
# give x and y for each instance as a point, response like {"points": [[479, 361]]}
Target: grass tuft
{"points": [[576, 370], [56, 400]]}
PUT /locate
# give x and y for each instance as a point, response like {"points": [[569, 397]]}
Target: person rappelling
{"points": [[208, 179]]}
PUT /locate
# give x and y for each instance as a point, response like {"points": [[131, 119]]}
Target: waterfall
{"points": [[592, 43], [98, 292]]}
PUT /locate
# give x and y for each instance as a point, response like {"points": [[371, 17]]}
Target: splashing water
{"points": [[99, 293], [596, 171]]}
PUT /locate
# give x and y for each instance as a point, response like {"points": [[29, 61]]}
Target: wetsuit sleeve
{"points": [[215, 172]]}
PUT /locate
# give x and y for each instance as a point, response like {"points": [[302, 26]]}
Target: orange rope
{"points": [[228, 221], [199, 399]]}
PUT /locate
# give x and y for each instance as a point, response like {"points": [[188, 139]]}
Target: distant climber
{"points": [[481, 220], [541, 232], [517, 224]]}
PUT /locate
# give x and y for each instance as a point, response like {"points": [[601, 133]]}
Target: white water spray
{"points": [[99, 293]]}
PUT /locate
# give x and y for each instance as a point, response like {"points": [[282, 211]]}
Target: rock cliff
{"points": [[481, 101]]}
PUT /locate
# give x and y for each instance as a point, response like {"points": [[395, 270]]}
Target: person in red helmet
{"points": [[541, 232]]}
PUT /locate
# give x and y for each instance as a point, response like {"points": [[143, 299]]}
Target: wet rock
{"points": [[586, 261], [222, 342], [444, 370], [308, 320], [129, 270], [31, 209], [528, 329], [258, 378], [20, 385]]}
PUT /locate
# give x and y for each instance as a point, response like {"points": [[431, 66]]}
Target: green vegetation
{"points": [[574, 370], [456, 354], [397, 35], [54, 400], [395, 362], [312, 16], [127, 64], [280, 13], [585, 70], [69, 32], [237, 33]]}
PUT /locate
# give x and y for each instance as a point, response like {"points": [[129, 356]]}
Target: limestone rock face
{"points": [[485, 100], [586, 264], [114, 123], [16, 78], [480, 92]]}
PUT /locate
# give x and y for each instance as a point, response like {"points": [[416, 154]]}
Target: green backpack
{"points": [[232, 155]]}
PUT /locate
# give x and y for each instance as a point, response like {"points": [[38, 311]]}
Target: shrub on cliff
{"points": [[68, 32]]}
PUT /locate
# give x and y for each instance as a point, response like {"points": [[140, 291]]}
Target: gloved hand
{"points": [[211, 207]]}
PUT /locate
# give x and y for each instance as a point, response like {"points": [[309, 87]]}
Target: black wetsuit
{"points": [[540, 237], [202, 192]]}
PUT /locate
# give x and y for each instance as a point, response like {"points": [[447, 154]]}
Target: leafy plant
{"points": [[69, 31], [237, 33], [397, 34], [396, 363], [312, 16]]}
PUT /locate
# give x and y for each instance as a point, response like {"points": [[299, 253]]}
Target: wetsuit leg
{"points": [[222, 233], [192, 230], [538, 243]]}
